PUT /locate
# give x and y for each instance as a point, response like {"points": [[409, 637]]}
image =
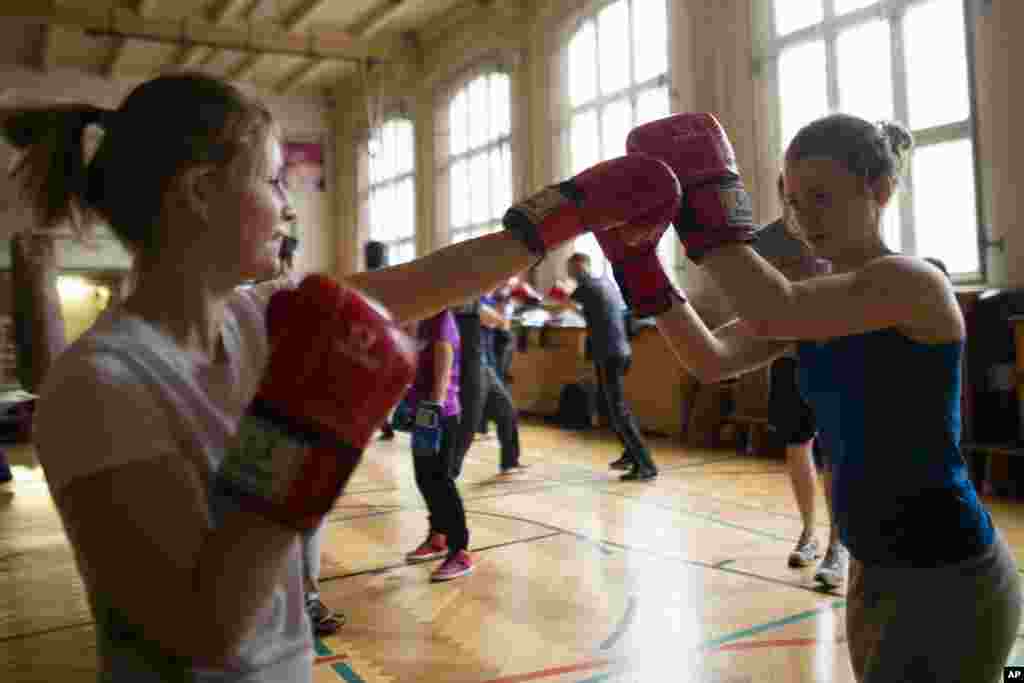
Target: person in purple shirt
{"points": [[434, 398]]}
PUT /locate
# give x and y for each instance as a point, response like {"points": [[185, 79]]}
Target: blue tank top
{"points": [[888, 409]]}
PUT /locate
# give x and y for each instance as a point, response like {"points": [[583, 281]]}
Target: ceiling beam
{"points": [[225, 10], [295, 21], [260, 38], [374, 20], [46, 48], [143, 8]]}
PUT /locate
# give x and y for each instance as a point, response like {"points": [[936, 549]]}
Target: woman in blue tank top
{"points": [[934, 593]]}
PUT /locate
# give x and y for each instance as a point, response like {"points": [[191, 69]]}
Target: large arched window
{"points": [[617, 70], [392, 198], [891, 59], [478, 162]]}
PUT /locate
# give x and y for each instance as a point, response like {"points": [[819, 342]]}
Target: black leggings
{"points": [[609, 380], [437, 486]]}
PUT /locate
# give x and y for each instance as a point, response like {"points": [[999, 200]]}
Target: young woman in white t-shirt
{"points": [[134, 417]]}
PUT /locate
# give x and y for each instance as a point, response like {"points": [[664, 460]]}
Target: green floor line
{"points": [[761, 628], [738, 635], [347, 674]]}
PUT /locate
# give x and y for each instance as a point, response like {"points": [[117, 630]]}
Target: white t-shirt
{"points": [[153, 399]]}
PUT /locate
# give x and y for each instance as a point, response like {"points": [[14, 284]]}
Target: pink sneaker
{"points": [[435, 546], [459, 564]]}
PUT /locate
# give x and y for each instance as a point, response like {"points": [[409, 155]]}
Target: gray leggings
{"points": [[945, 625], [311, 554]]}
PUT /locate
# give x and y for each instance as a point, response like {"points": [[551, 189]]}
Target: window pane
{"points": [[891, 224], [936, 63], [613, 40], [844, 6], [457, 123], [405, 209], [652, 105], [382, 217], [405, 152], [583, 149], [588, 245], [616, 122], [384, 159], [803, 93], [458, 209], [945, 218], [791, 15], [479, 188], [582, 60], [402, 252], [500, 192], [460, 236], [865, 71], [650, 39], [478, 106], [500, 106]]}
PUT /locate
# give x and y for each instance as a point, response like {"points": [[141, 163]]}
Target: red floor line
{"points": [[790, 642], [329, 659], [554, 671], [595, 664]]}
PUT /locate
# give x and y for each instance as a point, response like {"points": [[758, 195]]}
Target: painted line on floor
{"points": [[476, 549], [707, 517], [716, 644], [788, 642], [585, 665], [624, 623], [326, 656], [347, 674]]}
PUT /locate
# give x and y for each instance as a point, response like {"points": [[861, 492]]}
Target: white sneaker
{"points": [[805, 552], [832, 570]]}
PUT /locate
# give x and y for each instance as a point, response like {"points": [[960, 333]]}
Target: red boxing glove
{"points": [[558, 293], [645, 287], [337, 366], [603, 196], [716, 208], [525, 292]]}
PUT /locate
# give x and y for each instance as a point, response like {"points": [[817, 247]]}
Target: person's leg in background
{"points": [[834, 567], [804, 477], [612, 371], [625, 461], [499, 405], [793, 426], [324, 620]]}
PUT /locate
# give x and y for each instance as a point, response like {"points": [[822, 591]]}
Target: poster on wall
{"points": [[304, 166]]}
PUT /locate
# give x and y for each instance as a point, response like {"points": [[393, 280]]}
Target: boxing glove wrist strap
{"points": [[547, 218], [714, 214]]}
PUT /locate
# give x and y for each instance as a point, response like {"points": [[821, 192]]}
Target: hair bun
{"points": [[898, 136]]}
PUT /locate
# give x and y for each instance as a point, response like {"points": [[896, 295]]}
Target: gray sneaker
{"points": [[805, 552], [832, 570]]}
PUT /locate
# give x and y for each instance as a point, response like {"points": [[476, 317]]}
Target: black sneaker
{"points": [[325, 622], [623, 463], [639, 473]]}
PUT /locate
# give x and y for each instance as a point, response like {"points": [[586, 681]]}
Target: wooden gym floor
{"points": [[580, 578]]}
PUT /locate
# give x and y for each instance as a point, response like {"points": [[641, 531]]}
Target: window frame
{"points": [[893, 12], [451, 234], [630, 92], [391, 181]]}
